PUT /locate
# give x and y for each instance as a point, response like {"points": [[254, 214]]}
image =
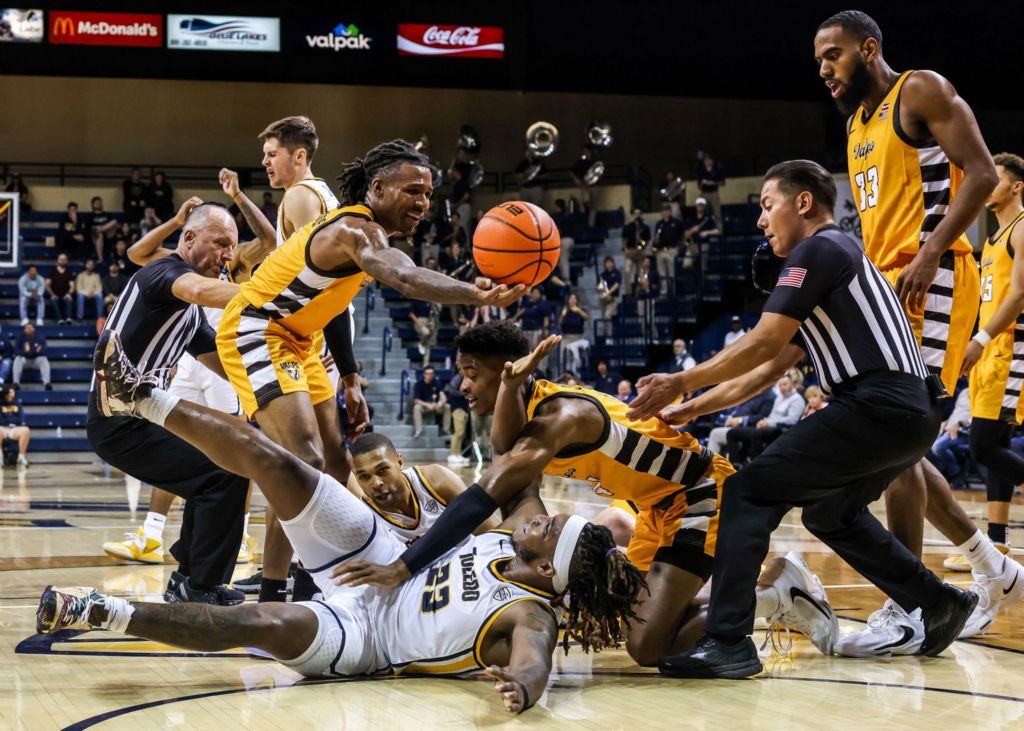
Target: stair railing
{"points": [[384, 350]]}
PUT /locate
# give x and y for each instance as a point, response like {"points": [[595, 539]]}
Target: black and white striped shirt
{"points": [[851, 320], [156, 327]]}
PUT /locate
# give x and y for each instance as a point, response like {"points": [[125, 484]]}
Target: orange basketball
{"points": [[516, 243]]}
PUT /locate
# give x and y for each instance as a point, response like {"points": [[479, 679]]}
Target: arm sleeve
{"points": [[459, 519], [205, 339], [338, 336], [809, 276]]}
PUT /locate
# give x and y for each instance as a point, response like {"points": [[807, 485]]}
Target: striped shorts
{"points": [[945, 325], [997, 379]]}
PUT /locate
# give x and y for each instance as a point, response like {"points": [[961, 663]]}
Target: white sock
{"points": [[153, 528], [158, 406], [245, 525], [768, 602], [982, 554], [119, 613]]}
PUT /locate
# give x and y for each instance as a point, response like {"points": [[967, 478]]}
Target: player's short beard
{"points": [[856, 90]]}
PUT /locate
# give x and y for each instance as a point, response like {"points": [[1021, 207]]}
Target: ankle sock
{"points": [[273, 590], [119, 613], [981, 554], [153, 528], [998, 533]]}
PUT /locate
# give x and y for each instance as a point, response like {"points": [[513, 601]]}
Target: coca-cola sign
{"points": [[468, 41]]}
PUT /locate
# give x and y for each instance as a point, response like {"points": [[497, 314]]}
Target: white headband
{"points": [[564, 550]]}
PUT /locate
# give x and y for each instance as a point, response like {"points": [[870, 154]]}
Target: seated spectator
{"points": [[815, 399], [635, 236], [134, 189], [607, 381], [747, 442], [609, 292], [17, 185], [6, 359], [668, 236], [574, 345], [954, 433], [736, 331], [31, 287], [460, 418], [127, 233], [797, 376], [160, 196], [535, 317], [424, 316], [149, 220], [102, 227], [568, 378], [749, 412], [89, 286], [681, 359], [71, 233], [455, 262], [427, 396], [121, 258], [624, 391], [30, 347], [269, 208], [60, 286], [113, 285], [12, 423], [563, 223]]}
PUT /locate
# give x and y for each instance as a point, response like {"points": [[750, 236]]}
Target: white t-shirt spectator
{"points": [[732, 336]]}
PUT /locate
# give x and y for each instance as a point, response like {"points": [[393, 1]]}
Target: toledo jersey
{"points": [[427, 507], [437, 622], [997, 378], [328, 202]]}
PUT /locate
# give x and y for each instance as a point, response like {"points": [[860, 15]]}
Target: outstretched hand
{"points": [[360, 573], [501, 295], [653, 393], [186, 208], [515, 374], [511, 691]]}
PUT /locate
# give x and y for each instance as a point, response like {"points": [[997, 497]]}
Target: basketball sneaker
{"points": [[119, 385], [804, 605], [959, 563], [994, 594], [245, 550], [251, 585], [181, 591], [890, 631], [65, 607], [135, 547]]}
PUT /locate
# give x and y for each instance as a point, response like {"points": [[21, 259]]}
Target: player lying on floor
{"points": [[485, 604], [542, 427]]}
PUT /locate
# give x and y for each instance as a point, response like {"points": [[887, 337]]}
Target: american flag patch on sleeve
{"points": [[792, 277]]}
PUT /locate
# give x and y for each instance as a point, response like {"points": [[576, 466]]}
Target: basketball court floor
{"points": [[54, 518]]}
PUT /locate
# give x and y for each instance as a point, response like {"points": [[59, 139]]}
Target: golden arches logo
{"points": [[62, 25]]}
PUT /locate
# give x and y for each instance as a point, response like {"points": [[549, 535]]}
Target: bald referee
{"points": [[159, 317], [831, 302]]}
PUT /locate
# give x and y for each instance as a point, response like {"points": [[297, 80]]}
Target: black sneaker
{"points": [[181, 591], [943, 622], [172, 587], [712, 658], [250, 585]]}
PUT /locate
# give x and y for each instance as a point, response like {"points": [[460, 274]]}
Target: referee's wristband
{"points": [[982, 338]]}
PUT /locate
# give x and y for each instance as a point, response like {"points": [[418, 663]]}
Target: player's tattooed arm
{"points": [[531, 633], [253, 252], [150, 247]]}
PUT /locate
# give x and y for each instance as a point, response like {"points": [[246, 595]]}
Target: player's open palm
{"points": [[498, 295], [653, 393], [185, 209], [515, 374], [229, 182], [508, 689]]}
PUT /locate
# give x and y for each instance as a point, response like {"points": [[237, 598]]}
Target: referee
{"points": [[831, 302], [159, 317]]}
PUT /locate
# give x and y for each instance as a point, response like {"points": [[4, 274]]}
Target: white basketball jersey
{"points": [[427, 506], [438, 620], [328, 202]]}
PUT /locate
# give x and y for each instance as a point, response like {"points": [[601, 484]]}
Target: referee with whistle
{"points": [[832, 303]]}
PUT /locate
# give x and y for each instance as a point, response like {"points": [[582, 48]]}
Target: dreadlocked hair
{"points": [[603, 588], [357, 175]]}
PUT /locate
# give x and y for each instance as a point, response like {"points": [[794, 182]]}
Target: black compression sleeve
{"points": [[338, 336], [458, 520]]}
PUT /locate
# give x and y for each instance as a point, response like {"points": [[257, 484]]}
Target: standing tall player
{"points": [[920, 172]]}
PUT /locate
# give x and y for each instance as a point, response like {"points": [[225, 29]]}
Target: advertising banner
{"points": [[466, 41], [223, 33], [106, 29], [21, 25]]}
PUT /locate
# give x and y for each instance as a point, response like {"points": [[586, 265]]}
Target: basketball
{"points": [[516, 243]]}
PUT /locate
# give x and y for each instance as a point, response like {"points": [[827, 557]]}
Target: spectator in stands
{"points": [[12, 423], [127, 233], [624, 391], [71, 233], [134, 190], [563, 222], [954, 433], [160, 196], [747, 442], [568, 378], [89, 286], [749, 412], [17, 185], [609, 292], [6, 358], [427, 396], [102, 227], [425, 238], [635, 236], [456, 234], [532, 190], [31, 287], [815, 399], [462, 195], [698, 235], [675, 186], [460, 418], [31, 347], [113, 285], [607, 381], [455, 262], [535, 318], [668, 236], [424, 316], [149, 220], [710, 179], [269, 208], [736, 331], [681, 359], [121, 258], [60, 286], [646, 290], [574, 345]]}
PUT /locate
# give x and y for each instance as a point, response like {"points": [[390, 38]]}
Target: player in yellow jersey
{"points": [[542, 427], [920, 173]]}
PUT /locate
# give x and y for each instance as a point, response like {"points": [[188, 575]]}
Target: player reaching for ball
{"points": [[516, 243]]}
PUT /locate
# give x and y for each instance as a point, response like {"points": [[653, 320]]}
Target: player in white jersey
{"points": [[483, 605], [192, 380]]}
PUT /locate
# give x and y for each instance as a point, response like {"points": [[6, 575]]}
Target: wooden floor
{"points": [[53, 520]]}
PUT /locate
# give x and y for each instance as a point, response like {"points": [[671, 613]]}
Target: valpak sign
{"points": [[223, 33], [342, 38], [468, 41], [106, 29], [18, 25]]}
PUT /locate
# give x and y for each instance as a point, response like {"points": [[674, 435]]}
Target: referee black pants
{"points": [[833, 464], [211, 530]]}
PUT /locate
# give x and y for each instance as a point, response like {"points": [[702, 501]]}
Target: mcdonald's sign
{"points": [[106, 29]]}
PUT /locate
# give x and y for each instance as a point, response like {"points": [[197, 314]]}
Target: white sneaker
{"points": [[890, 631], [994, 595], [22, 462], [804, 605], [458, 460]]}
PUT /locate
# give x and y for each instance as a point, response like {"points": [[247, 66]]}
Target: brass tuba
{"points": [[541, 142]]}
